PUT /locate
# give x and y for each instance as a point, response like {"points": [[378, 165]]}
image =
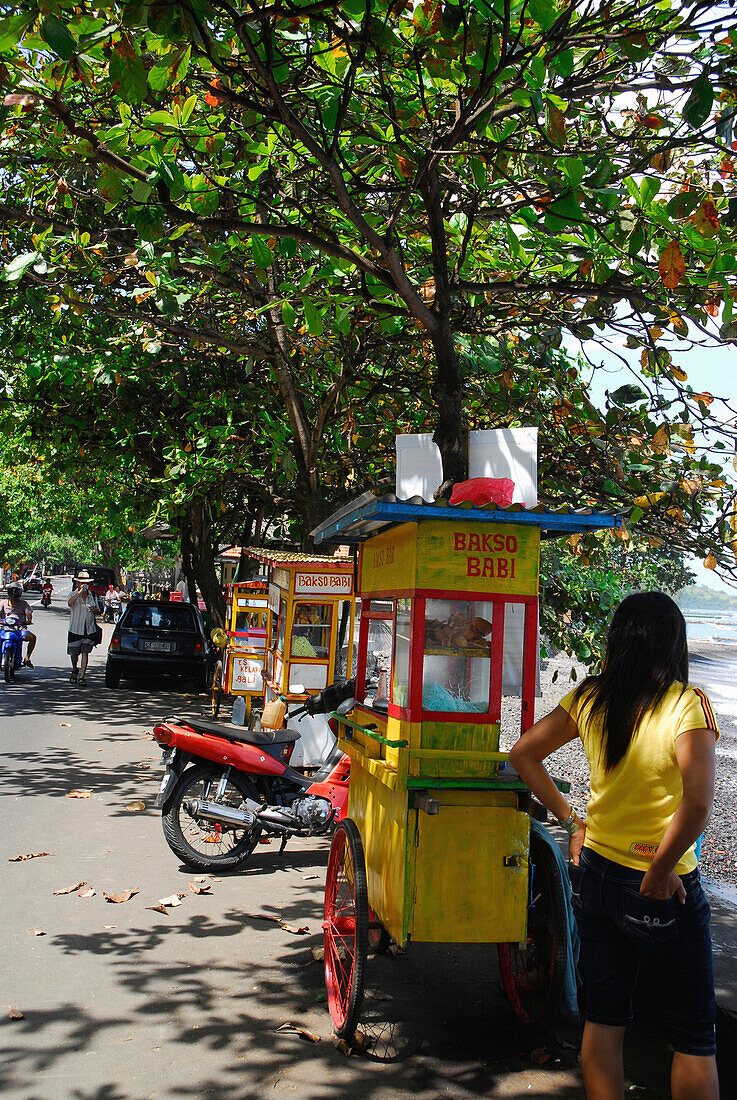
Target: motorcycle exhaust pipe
{"points": [[271, 817], [215, 811]]}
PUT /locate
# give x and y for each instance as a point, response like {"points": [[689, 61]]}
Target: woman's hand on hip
{"points": [[660, 885], [575, 844]]}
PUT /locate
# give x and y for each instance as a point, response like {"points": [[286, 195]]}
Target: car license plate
{"points": [[157, 647]]}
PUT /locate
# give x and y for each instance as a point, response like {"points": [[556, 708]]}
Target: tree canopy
{"points": [[348, 219]]}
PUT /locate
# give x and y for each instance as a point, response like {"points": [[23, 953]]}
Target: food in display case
{"points": [[462, 630], [456, 662]]}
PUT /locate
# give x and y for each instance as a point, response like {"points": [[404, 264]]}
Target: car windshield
{"points": [[168, 617]]}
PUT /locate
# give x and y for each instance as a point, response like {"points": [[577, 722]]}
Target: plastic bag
{"points": [[484, 490]]}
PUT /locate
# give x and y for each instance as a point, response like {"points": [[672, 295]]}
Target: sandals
{"points": [[82, 682], [73, 677], [27, 663]]}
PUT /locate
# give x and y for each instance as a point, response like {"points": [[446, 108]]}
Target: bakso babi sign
{"points": [[443, 556], [323, 584]]}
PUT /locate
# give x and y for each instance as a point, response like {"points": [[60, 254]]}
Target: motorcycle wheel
{"points": [[206, 846], [8, 665]]}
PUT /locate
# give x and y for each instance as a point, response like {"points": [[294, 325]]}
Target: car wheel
{"points": [[112, 674]]}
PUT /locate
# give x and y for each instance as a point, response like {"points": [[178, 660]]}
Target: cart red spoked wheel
{"points": [[346, 928], [533, 972]]}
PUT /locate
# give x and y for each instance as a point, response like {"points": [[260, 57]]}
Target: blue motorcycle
{"points": [[11, 646]]}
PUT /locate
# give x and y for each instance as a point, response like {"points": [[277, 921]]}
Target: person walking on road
{"points": [[16, 605], [82, 627], [650, 742]]}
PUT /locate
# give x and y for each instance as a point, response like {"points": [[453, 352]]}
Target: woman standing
{"points": [[82, 627], [649, 739]]}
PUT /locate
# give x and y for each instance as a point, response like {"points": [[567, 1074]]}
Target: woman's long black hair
{"points": [[646, 653]]}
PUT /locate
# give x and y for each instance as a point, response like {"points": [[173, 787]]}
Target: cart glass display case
{"points": [[248, 622]]}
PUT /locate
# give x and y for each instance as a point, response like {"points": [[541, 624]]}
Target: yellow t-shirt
{"points": [[632, 805]]}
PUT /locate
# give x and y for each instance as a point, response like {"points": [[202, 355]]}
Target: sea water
{"points": [[711, 625]]}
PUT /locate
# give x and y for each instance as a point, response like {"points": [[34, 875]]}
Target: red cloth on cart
{"points": [[484, 490]]}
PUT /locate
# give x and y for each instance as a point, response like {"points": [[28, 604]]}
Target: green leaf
{"points": [[261, 252], [699, 103], [636, 514], [649, 189], [627, 395], [543, 12], [287, 247], [288, 315], [170, 70], [128, 72], [57, 36], [15, 268], [11, 30], [563, 63], [313, 318], [574, 169]]}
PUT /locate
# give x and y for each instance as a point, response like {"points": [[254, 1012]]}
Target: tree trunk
{"points": [[450, 434], [198, 543]]}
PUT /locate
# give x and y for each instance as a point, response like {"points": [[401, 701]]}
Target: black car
{"points": [[157, 636]]}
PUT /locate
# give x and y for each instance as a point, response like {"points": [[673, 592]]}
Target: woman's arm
{"points": [[547, 735], [695, 757]]}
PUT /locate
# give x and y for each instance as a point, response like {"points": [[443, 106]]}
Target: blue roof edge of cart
{"points": [[369, 514]]}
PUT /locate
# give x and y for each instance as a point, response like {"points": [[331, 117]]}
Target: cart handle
{"points": [[368, 731]]}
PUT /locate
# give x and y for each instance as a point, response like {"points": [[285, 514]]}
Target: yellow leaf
{"points": [[678, 373], [710, 562], [655, 333], [660, 440], [651, 498], [188, 447]]}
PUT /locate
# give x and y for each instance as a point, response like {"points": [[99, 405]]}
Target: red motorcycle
{"points": [[226, 786]]}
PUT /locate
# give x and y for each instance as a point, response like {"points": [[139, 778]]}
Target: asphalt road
{"points": [[120, 1002]]}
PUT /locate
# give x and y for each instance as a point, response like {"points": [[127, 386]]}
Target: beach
{"points": [[713, 667]]}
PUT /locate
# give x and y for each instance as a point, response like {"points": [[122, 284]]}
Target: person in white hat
{"points": [[82, 627]]}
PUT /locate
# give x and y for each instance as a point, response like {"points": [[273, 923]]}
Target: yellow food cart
{"points": [[248, 625], [312, 606], [436, 846]]}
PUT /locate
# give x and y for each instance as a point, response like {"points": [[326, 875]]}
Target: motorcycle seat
{"points": [[238, 733]]}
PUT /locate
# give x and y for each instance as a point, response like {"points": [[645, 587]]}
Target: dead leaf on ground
{"points": [[196, 888], [67, 725], [361, 1040], [28, 855], [158, 909], [201, 878], [79, 794], [343, 1046], [71, 889], [143, 767], [141, 778], [303, 930], [15, 1013], [108, 927], [88, 893], [308, 877], [539, 1056], [173, 900], [135, 807], [264, 916], [36, 932], [303, 1032], [318, 954], [118, 899]]}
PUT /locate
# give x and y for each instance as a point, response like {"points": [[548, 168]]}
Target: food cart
{"points": [[312, 606], [437, 845], [248, 625]]}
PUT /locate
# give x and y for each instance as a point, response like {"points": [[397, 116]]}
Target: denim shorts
{"points": [[620, 929]]}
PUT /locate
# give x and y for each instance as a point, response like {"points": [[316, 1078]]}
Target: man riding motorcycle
{"points": [[16, 605]]}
